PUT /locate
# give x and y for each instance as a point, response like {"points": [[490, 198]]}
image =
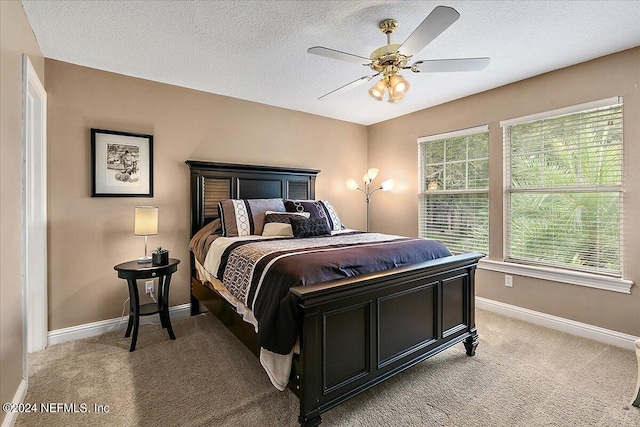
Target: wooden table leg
{"points": [[132, 305], [165, 306], [134, 313], [129, 324], [161, 300]]}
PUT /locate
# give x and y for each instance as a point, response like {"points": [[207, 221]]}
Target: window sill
{"points": [[559, 275]]}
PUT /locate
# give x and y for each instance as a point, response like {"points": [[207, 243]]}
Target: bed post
{"points": [[636, 396], [195, 304], [196, 224], [471, 342], [310, 367]]}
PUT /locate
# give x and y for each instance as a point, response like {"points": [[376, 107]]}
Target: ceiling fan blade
{"points": [[349, 86], [447, 65], [433, 25], [336, 54]]}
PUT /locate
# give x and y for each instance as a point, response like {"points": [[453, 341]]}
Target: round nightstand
{"points": [[131, 271]]}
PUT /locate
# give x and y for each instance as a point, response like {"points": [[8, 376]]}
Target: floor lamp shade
{"points": [[368, 177], [145, 221]]}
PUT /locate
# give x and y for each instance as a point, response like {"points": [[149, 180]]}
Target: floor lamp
{"points": [[368, 177]]}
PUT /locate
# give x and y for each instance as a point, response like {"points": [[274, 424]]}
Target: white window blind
{"points": [[453, 204], [564, 190]]}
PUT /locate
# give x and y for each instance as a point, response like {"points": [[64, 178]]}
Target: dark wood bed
{"points": [[355, 332]]}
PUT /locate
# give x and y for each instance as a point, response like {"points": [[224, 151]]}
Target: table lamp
{"points": [[145, 224]]}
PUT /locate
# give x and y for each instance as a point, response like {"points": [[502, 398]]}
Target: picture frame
{"points": [[121, 164]]}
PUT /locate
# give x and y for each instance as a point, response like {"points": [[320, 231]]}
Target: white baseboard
{"points": [[21, 393], [572, 327], [97, 328], [585, 330]]}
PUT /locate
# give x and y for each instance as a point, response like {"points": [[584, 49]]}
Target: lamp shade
{"points": [[373, 172], [352, 184], [377, 91], [398, 86], [387, 185], [145, 221], [395, 98]]}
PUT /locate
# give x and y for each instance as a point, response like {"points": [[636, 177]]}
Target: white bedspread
{"points": [[277, 366]]}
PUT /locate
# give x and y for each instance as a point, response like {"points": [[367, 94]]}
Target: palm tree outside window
{"points": [[564, 189]]}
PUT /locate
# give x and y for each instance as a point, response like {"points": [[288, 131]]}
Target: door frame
{"points": [[34, 285]]}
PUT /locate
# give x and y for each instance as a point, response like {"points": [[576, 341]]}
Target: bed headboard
{"points": [[212, 182]]}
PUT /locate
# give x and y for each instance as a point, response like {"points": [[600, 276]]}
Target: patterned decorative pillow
{"points": [[317, 209], [278, 224], [303, 227], [245, 217], [334, 219]]}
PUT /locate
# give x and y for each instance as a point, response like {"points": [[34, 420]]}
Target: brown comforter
{"points": [[201, 241], [260, 273]]}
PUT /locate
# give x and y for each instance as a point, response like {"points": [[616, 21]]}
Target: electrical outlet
{"points": [[508, 281], [148, 286]]}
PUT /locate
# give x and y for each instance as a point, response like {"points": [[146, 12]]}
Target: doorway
{"points": [[34, 301]]}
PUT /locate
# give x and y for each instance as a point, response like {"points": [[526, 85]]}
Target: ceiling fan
{"points": [[389, 59]]}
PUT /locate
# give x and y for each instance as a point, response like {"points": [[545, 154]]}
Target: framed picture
{"points": [[121, 164]]}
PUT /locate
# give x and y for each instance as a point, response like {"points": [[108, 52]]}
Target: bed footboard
{"points": [[360, 331]]}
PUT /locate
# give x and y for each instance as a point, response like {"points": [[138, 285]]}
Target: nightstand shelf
{"points": [[149, 309], [132, 271]]}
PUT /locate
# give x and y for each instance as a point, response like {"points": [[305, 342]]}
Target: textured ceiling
{"points": [[256, 50]]}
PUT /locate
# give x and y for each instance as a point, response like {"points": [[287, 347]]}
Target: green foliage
{"points": [[460, 221], [457, 218], [565, 204], [460, 163]]}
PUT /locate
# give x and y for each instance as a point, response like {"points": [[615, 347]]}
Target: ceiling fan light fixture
{"points": [[377, 91], [390, 59], [375, 94], [395, 98], [397, 86]]}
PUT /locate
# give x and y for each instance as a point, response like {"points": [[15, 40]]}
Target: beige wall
{"points": [[88, 236], [393, 149], [16, 39]]}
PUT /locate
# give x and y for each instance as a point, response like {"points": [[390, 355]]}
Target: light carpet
{"points": [[522, 375]]}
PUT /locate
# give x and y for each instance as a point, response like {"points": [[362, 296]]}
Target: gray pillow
{"points": [[245, 217]]}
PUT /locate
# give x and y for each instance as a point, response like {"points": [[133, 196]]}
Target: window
{"points": [[564, 188], [453, 204]]}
